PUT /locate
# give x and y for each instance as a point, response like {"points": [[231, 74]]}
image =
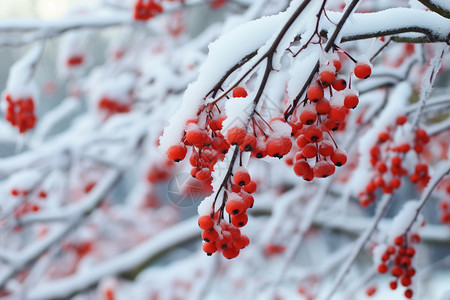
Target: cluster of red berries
{"points": [[328, 103], [20, 113], [400, 256], [111, 106], [220, 235], [146, 9], [388, 176]]}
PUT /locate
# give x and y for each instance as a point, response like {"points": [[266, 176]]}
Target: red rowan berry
{"points": [[339, 157], [410, 252], [230, 252], [209, 248], [309, 175], [339, 84], [382, 268], [405, 281], [351, 101], [393, 285], [278, 147], [308, 117], [323, 106], [242, 242], [395, 182], [397, 271], [195, 136], [401, 120], [338, 114], [250, 187], [314, 92], [206, 222], [236, 136], [313, 134], [326, 148], [224, 242], [177, 153], [327, 77], [241, 177], [235, 206], [337, 65], [309, 151], [239, 220], [408, 294], [302, 141], [362, 70], [248, 199], [399, 241], [210, 236], [301, 168], [331, 125], [323, 169], [239, 92], [371, 291], [249, 143], [203, 174]]}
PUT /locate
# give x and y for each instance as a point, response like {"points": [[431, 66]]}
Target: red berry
{"points": [[314, 93], [309, 151], [339, 157], [313, 134], [236, 136], [323, 169], [242, 242], [351, 101], [401, 120], [326, 148], [235, 206], [337, 65], [249, 143], [206, 222], [339, 84], [250, 187], [327, 77], [278, 147], [362, 70], [302, 141], [203, 174], [309, 175], [209, 248], [393, 285], [308, 117], [239, 92], [338, 114], [177, 153], [405, 281], [323, 106], [371, 291], [210, 236], [382, 268], [302, 167], [408, 294], [241, 177], [239, 220], [230, 252]]}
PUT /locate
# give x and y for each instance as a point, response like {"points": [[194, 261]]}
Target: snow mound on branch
{"points": [[224, 53], [403, 220], [238, 111]]}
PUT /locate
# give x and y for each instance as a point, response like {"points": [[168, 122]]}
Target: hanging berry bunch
{"points": [[444, 203], [221, 228], [324, 110], [20, 113], [398, 258], [146, 9], [386, 159]]}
